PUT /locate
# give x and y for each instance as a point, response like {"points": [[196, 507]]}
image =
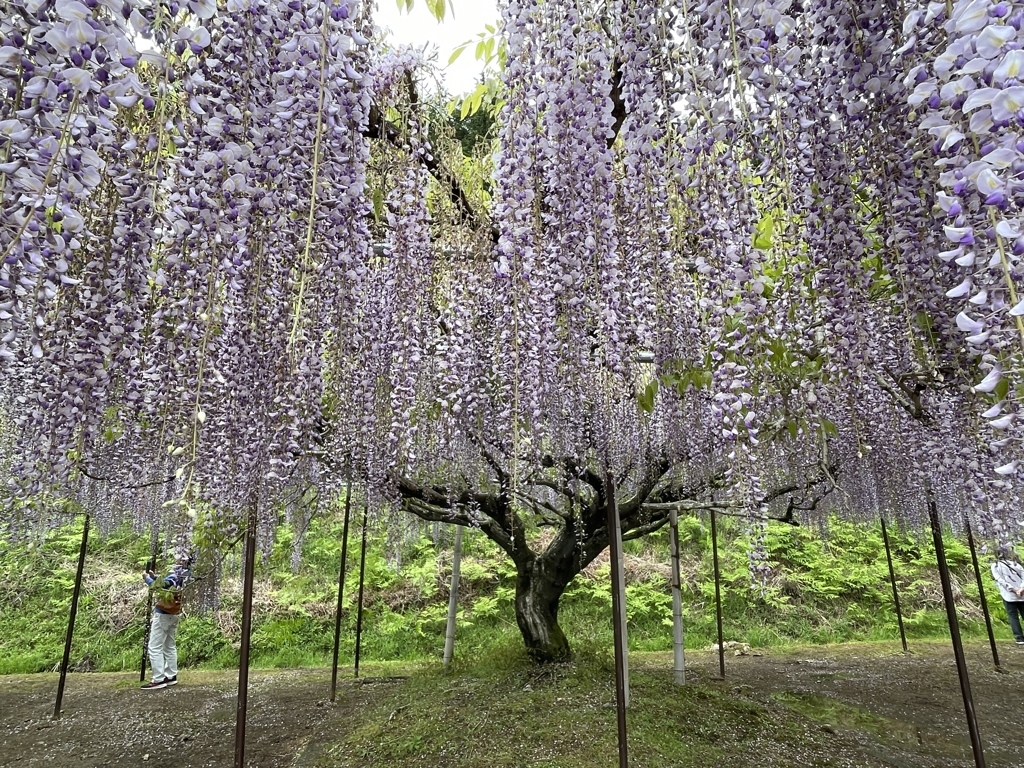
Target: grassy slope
{"points": [[823, 590]]}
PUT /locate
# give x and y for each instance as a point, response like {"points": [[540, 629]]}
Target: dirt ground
{"points": [[899, 710]]}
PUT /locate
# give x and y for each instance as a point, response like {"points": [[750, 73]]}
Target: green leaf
{"points": [[436, 7], [456, 53], [1002, 389], [646, 399], [763, 236], [471, 104], [378, 203]]}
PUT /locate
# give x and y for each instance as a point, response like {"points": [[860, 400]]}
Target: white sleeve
{"points": [[1001, 574], [1016, 575]]}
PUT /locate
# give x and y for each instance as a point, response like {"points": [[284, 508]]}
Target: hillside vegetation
{"points": [[827, 586]]}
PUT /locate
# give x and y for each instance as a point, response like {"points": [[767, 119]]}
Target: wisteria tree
{"points": [[761, 257]]}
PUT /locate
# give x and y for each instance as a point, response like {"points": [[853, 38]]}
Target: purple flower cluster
{"points": [[806, 215], [970, 100], [186, 234]]}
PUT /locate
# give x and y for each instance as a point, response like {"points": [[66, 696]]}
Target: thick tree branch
{"points": [[150, 484], [380, 128], [571, 468], [540, 506], [559, 488], [618, 104], [899, 396], [439, 505], [632, 505], [489, 457]]}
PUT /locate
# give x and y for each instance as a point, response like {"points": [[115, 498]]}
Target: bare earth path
{"points": [[877, 707], [900, 710]]}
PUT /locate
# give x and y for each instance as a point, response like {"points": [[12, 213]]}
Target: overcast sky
{"points": [[419, 27]]}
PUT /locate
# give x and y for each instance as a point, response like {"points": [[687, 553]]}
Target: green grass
{"points": [[560, 717], [829, 590]]}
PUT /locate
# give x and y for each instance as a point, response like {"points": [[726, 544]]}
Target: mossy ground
{"points": [[855, 705]]}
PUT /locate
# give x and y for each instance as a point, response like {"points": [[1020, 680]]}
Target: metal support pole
{"points": [[150, 566], [453, 598], [954, 631], [341, 588], [981, 594], [621, 586], [362, 574], [145, 638], [678, 651], [243, 659], [718, 594], [71, 620], [892, 580], [617, 612]]}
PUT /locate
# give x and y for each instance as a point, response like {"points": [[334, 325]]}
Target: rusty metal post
{"points": [[954, 631], [981, 594], [892, 580], [341, 588], [617, 622], [71, 620], [243, 660], [678, 645], [362, 574], [718, 594]]}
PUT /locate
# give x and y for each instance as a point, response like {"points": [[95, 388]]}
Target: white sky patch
{"points": [[420, 28]]}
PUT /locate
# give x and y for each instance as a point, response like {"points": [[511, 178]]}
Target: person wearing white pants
{"points": [[163, 648]]}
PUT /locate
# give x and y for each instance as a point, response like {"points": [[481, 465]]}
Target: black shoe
{"points": [[1020, 642], [152, 686], [171, 680]]}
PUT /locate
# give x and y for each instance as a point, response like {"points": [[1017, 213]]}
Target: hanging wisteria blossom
{"points": [[752, 256]]}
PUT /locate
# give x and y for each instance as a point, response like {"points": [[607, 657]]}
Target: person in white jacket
{"points": [[1009, 576]]}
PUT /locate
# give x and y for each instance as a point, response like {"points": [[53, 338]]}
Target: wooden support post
{"points": [[242, 701], [341, 588], [362, 576], [678, 651], [954, 631], [892, 581], [981, 594], [71, 620], [453, 598], [618, 609], [718, 594]]}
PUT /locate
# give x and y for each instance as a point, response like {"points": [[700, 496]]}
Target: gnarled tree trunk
{"points": [[538, 592], [541, 580], [580, 520]]}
